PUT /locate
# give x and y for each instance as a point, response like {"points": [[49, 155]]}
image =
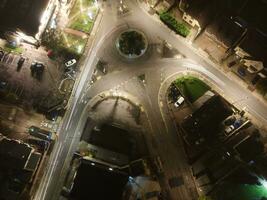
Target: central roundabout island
{"points": [[131, 44]]}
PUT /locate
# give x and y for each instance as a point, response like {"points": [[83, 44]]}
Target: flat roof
{"points": [[22, 14], [205, 121], [96, 182], [14, 154]]}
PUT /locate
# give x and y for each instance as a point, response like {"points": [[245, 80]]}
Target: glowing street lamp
{"points": [[263, 182]]}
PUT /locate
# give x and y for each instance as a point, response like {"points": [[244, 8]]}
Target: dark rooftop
{"points": [[97, 182], [205, 122], [112, 138], [256, 45], [14, 154], [21, 14]]}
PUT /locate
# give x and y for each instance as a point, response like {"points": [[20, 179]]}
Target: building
{"points": [[204, 124], [28, 16], [98, 182], [17, 166]]}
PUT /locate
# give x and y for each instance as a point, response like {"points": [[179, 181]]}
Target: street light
{"points": [[263, 182]]}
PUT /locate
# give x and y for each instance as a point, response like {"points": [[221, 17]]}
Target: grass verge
{"points": [[191, 87]]}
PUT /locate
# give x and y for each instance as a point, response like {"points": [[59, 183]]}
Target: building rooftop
{"points": [[23, 14], [205, 121], [97, 182], [255, 44], [14, 153]]}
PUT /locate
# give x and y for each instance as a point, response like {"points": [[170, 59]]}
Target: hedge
{"points": [[170, 21]]}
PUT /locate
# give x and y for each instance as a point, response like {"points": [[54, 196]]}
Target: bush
{"points": [[170, 21]]}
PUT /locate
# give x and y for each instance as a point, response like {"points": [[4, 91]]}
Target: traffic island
{"points": [[132, 44]]}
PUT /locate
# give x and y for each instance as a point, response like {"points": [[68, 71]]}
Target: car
{"points": [[20, 63], [241, 71], [230, 120], [37, 69], [231, 64], [40, 133], [229, 129], [70, 63], [179, 101], [3, 85], [21, 60], [2, 53]]}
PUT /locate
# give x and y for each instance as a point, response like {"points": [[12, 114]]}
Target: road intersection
{"points": [[123, 77]]}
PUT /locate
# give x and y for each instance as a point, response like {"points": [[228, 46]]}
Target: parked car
{"points": [[231, 64], [20, 63], [37, 69], [241, 71], [179, 101], [40, 133], [70, 63], [229, 121], [3, 86], [229, 129], [2, 53]]}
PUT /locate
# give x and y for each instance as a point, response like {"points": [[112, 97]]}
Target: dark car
{"points": [[241, 71], [37, 69], [20, 63], [40, 133], [2, 53], [230, 120], [231, 64], [3, 85]]}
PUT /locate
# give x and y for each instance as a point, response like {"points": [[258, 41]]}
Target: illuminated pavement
{"points": [[123, 78]]}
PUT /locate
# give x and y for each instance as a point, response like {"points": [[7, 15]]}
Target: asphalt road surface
{"points": [[165, 142]]}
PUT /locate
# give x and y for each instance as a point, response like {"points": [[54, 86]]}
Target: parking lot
{"points": [[24, 87], [26, 83]]}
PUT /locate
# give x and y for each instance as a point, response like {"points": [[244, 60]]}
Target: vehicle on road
{"points": [[40, 133], [179, 101], [70, 63]]}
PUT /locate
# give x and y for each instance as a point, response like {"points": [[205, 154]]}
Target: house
{"points": [[164, 5], [98, 182], [204, 123], [25, 15], [18, 164]]}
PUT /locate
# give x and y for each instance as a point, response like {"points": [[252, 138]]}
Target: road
{"points": [[123, 77]]}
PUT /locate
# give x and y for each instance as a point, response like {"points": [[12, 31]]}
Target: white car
{"points": [[179, 101], [70, 63], [229, 129]]}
